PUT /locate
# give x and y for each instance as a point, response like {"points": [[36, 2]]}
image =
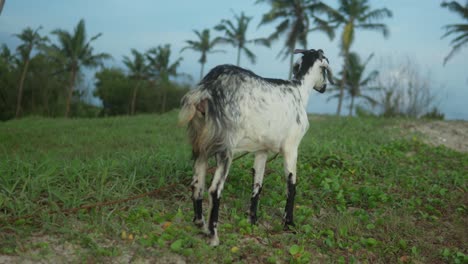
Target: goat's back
{"points": [[237, 109]]}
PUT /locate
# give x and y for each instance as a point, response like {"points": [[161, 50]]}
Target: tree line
{"points": [[45, 77]]}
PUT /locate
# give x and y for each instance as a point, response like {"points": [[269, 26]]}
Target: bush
{"points": [[434, 114]]}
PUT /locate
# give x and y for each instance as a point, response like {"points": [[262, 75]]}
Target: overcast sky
{"points": [[415, 31]]}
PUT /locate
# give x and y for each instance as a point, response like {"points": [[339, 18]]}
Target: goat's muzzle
{"points": [[321, 89]]}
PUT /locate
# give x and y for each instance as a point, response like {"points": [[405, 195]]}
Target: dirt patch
{"points": [[52, 249], [452, 134]]}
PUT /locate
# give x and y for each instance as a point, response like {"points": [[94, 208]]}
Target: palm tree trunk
{"points": [[291, 61], [238, 55], [46, 97], [135, 91], [70, 91], [343, 81], [33, 102], [45, 101], [351, 106], [163, 105], [20, 89], [201, 71]]}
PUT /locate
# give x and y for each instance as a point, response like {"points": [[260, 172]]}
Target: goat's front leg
{"points": [[223, 160], [258, 172], [198, 186], [290, 159]]}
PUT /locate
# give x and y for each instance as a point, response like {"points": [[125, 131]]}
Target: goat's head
{"points": [[313, 63]]}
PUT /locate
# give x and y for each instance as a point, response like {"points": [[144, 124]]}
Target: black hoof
{"points": [[198, 222], [253, 220], [289, 226]]}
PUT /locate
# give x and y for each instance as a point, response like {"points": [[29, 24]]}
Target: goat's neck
{"points": [[306, 88]]}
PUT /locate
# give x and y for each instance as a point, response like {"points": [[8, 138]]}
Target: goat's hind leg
{"points": [[290, 160], [258, 172], [198, 186], [223, 160]]}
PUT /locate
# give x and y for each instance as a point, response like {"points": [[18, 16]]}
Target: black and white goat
{"points": [[234, 110]]}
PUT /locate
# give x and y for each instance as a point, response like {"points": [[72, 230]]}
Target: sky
{"points": [[415, 34]]}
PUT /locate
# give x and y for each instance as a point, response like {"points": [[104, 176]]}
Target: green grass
{"points": [[365, 194]]}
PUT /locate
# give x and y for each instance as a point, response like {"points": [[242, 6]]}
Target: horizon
{"points": [[415, 35]]}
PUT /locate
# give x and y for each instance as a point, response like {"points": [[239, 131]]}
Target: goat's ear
{"points": [[320, 53], [296, 68]]}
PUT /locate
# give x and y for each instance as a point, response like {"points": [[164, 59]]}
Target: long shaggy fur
{"points": [[206, 127]]}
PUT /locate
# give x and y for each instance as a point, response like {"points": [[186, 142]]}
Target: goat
{"points": [[234, 110]]}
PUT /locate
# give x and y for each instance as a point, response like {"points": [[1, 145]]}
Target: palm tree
{"points": [[203, 45], [138, 70], [356, 14], [7, 58], [7, 65], [356, 83], [236, 35], [161, 68], [31, 40], [295, 19], [74, 51], [460, 31], [2, 3]]}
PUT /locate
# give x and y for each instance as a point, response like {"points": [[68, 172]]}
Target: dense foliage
{"points": [[47, 79]]}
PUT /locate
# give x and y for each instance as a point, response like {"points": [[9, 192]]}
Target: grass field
{"points": [[367, 192]]}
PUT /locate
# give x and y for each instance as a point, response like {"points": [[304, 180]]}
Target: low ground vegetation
{"points": [[370, 190]]}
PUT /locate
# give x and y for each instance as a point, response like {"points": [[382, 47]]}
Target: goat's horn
{"points": [[329, 74], [296, 51]]}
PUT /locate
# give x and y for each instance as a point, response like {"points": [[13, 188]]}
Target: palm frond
{"points": [[324, 9], [369, 99], [455, 28], [324, 26], [455, 50], [223, 40], [456, 8], [376, 27], [95, 37], [280, 30], [375, 15], [460, 30], [272, 16], [261, 41], [460, 39], [372, 76], [250, 55]]}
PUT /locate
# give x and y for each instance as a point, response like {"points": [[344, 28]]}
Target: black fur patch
{"points": [[308, 59], [253, 207], [198, 210], [288, 219], [213, 221], [254, 201], [227, 69]]}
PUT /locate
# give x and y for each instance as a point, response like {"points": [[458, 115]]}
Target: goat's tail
{"points": [[193, 101], [206, 127]]}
